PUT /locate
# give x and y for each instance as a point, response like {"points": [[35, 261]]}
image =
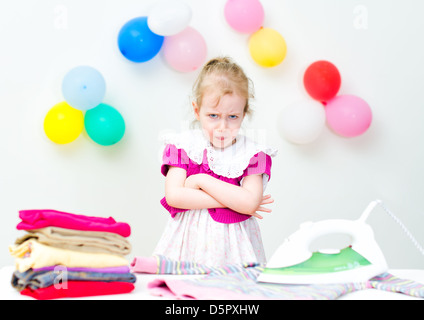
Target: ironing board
{"points": [[7, 292]]}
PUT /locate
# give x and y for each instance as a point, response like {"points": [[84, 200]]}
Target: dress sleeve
{"points": [[260, 163], [173, 157]]}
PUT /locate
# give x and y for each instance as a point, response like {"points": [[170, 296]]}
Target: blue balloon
{"points": [[104, 125], [83, 88], [137, 42]]}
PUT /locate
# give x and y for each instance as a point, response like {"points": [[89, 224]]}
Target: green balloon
{"points": [[104, 125]]}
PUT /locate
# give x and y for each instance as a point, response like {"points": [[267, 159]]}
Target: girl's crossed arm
{"points": [[204, 191], [246, 199], [179, 196]]}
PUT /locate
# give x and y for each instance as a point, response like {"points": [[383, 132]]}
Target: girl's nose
{"points": [[222, 125]]}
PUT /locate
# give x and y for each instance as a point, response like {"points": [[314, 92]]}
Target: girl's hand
{"points": [[265, 200]]}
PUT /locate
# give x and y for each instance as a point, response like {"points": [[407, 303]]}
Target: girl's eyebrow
{"points": [[212, 110], [219, 113]]}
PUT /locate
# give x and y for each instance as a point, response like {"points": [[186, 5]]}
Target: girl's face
{"points": [[220, 121]]}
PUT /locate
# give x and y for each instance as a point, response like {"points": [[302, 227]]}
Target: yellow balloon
{"points": [[63, 124], [267, 47]]}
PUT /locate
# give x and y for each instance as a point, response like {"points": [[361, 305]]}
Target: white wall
{"points": [[331, 178]]}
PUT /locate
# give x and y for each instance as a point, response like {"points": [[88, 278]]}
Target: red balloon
{"points": [[322, 80]]}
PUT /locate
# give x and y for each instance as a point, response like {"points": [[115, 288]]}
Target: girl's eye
{"points": [[233, 117], [213, 116]]}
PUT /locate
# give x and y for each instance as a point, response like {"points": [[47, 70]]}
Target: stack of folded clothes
{"points": [[65, 255]]}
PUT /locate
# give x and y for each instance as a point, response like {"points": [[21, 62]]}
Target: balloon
{"points": [[83, 87], [137, 42], [185, 51], [267, 47], [63, 124], [302, 122], [169, 17], [245, 16], [104, 125], [322, 80], [348, 115]]}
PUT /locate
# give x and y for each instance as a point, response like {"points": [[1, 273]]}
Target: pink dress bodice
{"points": [[260, 163]]}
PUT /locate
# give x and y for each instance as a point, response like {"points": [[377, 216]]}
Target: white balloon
{"points": [[302, 122], [169, 17]]}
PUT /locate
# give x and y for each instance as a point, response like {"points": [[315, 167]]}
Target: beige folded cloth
{"points": [[86, 241], [32, 254]]}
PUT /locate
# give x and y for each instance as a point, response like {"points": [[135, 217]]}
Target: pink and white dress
{"points": [[213, 236]]}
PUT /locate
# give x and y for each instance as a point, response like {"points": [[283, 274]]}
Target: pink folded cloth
{"points": [[40, 218], [145, 264]]}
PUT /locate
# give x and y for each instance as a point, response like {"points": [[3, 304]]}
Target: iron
{"points": [[295, 263]]}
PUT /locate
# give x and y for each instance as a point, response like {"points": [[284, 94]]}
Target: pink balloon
{"points": [[185, 51], [348, 115], [246, 16]]}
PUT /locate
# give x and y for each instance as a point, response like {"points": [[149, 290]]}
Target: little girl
{"points": [[215, 177]]}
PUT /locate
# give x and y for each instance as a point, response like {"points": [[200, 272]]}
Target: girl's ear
{"points": [[196, 110]]}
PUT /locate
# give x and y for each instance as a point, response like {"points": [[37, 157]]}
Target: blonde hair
{"points": [[226, 77]]}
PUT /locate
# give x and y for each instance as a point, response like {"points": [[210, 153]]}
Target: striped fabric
{"points": [[169, 266], [239, 282], [388, 282]]}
